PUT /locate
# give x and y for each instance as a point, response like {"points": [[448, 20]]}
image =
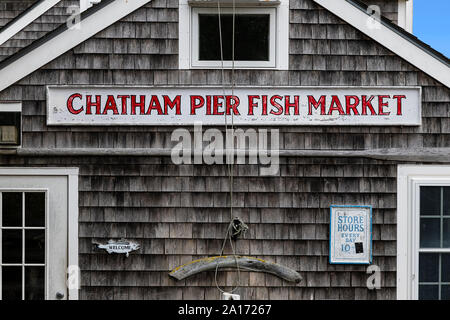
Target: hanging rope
{"points": [[236, 227]]}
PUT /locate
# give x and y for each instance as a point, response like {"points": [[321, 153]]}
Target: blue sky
{"points": [[431, 23]]}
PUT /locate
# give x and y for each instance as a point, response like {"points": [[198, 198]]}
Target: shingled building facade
{"points": [[121, 182]]}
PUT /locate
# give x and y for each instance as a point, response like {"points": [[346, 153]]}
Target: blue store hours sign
{"points": [[350, 234]]}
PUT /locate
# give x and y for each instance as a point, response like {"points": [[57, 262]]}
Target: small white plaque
{"points": [[121, 246]]}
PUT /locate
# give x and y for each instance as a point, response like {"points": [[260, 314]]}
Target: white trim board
{"points": [[405, 14], [11, 106], [72, 199], [67, 40], [26, 19], [389, 39], [86, 4]]}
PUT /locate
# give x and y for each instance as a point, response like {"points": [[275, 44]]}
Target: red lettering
{"points": [[154, 105], [349, 106], [252, 104], [278, 106], [124, 103], [216, 105], [367, 104], [110, 105], [140, 104], [70, 103], [335, 105], [264, 105], [382, 104], [232, 105], [196, 102], [288, 105], [399, 104], [208, 105], [170, 104], [313, 103], [89, 104]]}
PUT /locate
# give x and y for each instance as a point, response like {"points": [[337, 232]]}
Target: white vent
{"points": [[86, 4]]}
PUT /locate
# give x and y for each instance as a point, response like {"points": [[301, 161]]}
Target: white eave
{"points": [[91, 23], [24, 20], [394, 41]]}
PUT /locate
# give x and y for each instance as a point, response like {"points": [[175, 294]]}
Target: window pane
{"points": [[446, 233], [35, 209], [428, 292], [12, 283], [430, 233], [430, 201], [251, 37], [446, 201], [445, 267], [11, 209], [12, 246], [428, 267], [34, 283], [35, 246], [445, 292]]}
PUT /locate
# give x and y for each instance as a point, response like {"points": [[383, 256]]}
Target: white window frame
{"points": [[196, 62], [279, 36], [23, 228], [409, 180], [13, 107]]}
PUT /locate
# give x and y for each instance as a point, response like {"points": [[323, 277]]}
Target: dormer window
{"points": [[260, 34]]}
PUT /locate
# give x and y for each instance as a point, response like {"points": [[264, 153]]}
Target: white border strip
{"points": [[25, 20], [390, 39]]}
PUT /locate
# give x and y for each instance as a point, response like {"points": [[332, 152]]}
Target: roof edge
{"points": [[25, 18], [392, 37], [41, 41], [404, 33], [64, 38]]}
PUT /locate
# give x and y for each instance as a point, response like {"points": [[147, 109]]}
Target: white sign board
{"points": [[92, 105], [351, 234]]}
